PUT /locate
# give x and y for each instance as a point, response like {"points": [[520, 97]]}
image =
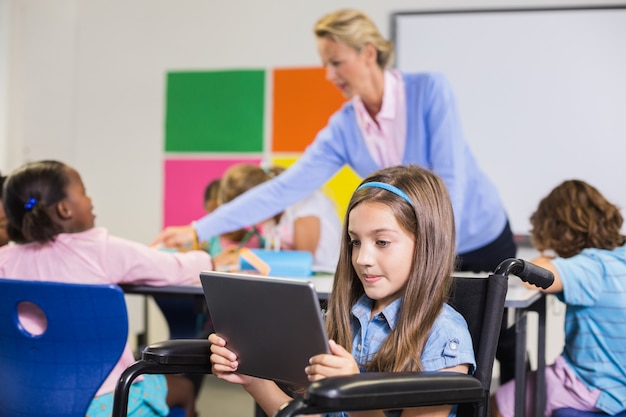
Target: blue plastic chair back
{"points": [[572, 412], [58, 372]]}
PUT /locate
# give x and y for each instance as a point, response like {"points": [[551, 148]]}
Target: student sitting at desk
{"points": [[310, 224], [387, 310], [51, 221], [248, 236], [582, 228]]}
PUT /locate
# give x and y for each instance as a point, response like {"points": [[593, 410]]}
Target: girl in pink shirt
{"points": [[51, 223]]}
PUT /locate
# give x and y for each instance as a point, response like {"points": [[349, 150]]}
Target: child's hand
{"points": [[224, 362], [341, 362], [227, 260]]}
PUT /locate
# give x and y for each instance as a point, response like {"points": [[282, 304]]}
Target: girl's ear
{"points": [[63, 211]]}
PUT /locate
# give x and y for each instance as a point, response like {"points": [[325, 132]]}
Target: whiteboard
{"points": [[541, 94]]}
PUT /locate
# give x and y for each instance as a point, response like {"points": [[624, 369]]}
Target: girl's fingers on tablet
{"points": [[223, 363]]}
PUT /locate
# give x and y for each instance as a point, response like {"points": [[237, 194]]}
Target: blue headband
{"points": [[387, 187]]}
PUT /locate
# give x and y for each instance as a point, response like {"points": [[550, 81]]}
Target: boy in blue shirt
{"points": [[582, 228]]}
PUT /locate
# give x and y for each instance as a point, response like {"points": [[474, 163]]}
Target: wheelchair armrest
{"points": [[179, 352], [168, 357], [391, 390]]}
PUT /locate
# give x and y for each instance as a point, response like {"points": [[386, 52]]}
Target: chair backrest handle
{"points": [[526, 271]]}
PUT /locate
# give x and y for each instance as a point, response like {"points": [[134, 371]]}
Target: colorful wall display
{"points": [[218, 118]]}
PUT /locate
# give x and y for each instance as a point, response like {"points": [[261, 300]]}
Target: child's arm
{"points": [[546, 263], [224, 366], [306, 233]]}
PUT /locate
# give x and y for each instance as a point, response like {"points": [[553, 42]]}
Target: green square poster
{"points": [[215, 111]]}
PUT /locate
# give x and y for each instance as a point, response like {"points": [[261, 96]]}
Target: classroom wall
{"points": [[84, 81], [4, 56]]}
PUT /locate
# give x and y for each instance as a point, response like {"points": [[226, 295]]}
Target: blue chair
{"points": [[58, 372], [572, 412]]}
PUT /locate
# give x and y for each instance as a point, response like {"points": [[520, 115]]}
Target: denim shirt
{"points": [[449, 342]]}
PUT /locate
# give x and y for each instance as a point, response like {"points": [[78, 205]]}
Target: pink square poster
{"points": [[185, 181]]}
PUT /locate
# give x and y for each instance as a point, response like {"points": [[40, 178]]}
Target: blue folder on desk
{"points": [[286, 263]]}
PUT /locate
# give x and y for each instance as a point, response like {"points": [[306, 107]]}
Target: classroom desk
{"points": [[520, 299], [323, 285]]}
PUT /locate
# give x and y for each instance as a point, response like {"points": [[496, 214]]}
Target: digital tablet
{"points": [[274, 325]]}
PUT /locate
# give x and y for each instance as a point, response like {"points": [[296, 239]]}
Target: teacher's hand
{"points": [[175, 237]]}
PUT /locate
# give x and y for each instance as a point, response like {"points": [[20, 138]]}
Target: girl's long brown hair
{"points": [[429, 219]]}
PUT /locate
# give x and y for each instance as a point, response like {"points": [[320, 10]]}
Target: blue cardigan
{"points": [[434, 140]]}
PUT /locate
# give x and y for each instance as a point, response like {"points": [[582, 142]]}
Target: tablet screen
{"points": [[274, 325]]}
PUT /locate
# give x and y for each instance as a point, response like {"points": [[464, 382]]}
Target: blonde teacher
{"points": [[390, 118]]}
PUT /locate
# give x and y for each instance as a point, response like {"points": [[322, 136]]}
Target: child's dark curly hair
{"points": [[575, 216]]}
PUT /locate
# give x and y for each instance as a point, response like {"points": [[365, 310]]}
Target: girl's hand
{"points": [[224, 366], [224, 362], [341, 362], [227, 260]]}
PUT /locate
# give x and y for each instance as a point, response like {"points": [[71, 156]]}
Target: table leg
{"points": [[540, 381], [142, 337], [539, 307], [520, 362]]}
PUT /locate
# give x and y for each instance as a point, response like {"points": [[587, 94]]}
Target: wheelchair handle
{"points": [[526, 271]]}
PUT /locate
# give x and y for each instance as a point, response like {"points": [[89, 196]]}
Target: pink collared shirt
{"points": [[385, 137]]}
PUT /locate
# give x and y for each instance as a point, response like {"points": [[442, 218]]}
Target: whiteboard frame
{"points": [[535, 148]]}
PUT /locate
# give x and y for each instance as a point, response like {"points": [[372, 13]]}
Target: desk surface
{"points": [[517, 296]]}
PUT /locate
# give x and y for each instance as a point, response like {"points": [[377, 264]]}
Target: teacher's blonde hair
{"points": [[355, 29]]}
